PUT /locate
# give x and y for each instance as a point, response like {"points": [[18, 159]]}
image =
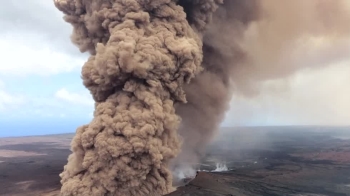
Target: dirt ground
{"points": [[261, 162], [30, 165]]}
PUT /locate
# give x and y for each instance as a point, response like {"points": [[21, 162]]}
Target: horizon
{"points": [[62, 128]]}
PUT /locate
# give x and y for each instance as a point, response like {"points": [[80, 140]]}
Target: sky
{"points": [[41, 91]]}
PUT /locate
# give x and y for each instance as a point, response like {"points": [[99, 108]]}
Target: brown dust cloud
{"points": [[162, 72]]}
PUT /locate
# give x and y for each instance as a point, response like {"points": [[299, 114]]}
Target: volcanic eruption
{"points": [[162, 73]]}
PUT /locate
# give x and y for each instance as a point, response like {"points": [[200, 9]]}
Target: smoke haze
{"points": [[262, 41], [163, 72], [310, 97]]}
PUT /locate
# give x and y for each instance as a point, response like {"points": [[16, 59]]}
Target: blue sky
{"points": [[41, 91], [40, 86]]}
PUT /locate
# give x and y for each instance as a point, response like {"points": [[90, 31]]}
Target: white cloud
{"points": [[74, 98], [34, 40], [62, 106], [8, 100], [32, 55]]}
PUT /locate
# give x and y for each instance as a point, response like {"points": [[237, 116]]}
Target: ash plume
{"points": [[142, 53], [162, 73], [208, 95], [248, 43]]}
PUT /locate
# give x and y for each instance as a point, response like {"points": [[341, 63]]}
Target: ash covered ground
{"points": [[266, 161]]}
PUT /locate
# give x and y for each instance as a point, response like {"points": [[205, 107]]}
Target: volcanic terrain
{"points": [[266, 161]]}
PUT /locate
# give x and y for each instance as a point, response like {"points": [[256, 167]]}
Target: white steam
{"points": [[220, 167]]}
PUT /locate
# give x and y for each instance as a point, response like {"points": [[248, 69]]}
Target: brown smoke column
{"points": [[142, 53], [159, 69]]}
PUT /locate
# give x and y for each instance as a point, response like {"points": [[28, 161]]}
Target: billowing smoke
{"points": [[142, 54], [162, 73], [208, 95], [249, 43]]}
